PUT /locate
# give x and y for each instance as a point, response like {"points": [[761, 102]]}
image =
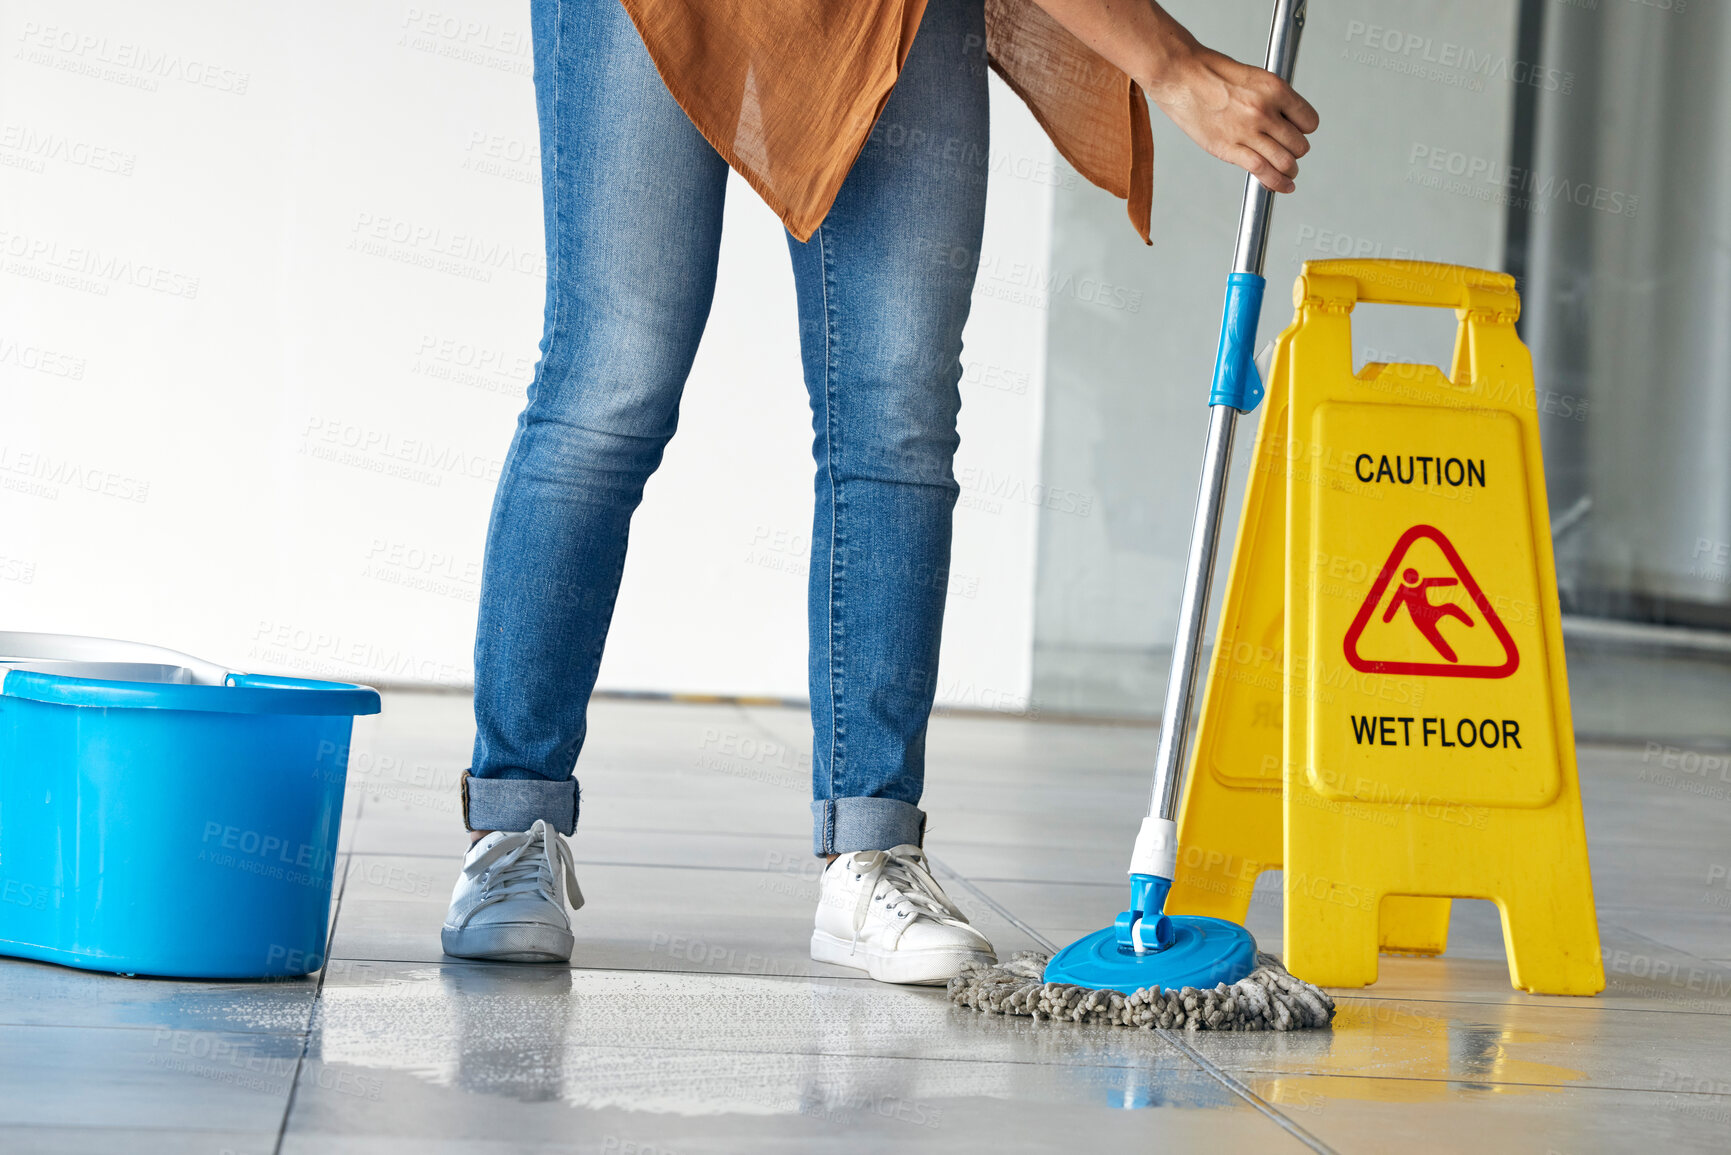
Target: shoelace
{"points": [[526, 864], [916, 894]]}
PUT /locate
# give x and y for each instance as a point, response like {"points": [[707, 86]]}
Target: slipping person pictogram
{"points": [[1414, 594]]}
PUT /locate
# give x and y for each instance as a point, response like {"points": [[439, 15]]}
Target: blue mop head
{"points": [[1147, 949]]}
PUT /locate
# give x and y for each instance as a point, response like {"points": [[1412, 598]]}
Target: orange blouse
{"points": [[788, 90]]}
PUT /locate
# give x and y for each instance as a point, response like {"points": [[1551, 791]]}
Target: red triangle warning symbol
{"points": [[1411, 605]]}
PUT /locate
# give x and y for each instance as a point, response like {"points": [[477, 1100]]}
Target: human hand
{"points": [[1243, 115]]}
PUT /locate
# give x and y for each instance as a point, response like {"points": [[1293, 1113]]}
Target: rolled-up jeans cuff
{"points": [[515, 803], [844, 825]]}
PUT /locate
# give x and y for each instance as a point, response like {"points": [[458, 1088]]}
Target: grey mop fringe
{"points": [[1268, 999]]}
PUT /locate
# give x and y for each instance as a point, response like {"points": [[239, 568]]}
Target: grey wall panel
{"points": [[1630, 307], [1415, 100]]}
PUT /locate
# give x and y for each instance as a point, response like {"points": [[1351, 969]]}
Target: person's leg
{"points": [[884, 287], [633, 199], [633, 203]]}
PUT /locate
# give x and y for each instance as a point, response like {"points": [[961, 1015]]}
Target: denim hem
{"points": [[515, 803], [844, 825]]}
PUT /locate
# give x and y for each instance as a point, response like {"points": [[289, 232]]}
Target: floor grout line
{"points": [[1268, 1110], [999, 908], [1582, 1003], [458, 858], [449, 961], [798, 840], [240, 1032], [1523, 1084], [130, 1128], [312, 1016], [1667, 946]]}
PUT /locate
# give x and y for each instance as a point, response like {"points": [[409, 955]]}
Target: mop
{"points": [[1151, 969]]}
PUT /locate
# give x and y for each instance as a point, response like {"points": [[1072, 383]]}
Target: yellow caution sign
{"points": [[1425, 748]]}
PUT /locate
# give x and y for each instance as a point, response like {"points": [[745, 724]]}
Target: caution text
{"points": [[1415, 470]]}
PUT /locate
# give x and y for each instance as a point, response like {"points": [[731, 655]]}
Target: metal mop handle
{"points": [[1253, 224]]}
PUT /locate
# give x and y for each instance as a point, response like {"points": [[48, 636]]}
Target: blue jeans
{"points": [[632, 196]]}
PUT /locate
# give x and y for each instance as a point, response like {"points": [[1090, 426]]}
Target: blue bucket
{"points": [[160, 815]]}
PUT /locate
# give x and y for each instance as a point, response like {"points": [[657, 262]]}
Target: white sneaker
{"points": [[882, 912], [509, 903]]}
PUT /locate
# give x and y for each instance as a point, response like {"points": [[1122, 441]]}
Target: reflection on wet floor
{"points": [[693, 1019], [604, 1039], [1392, 1052]]}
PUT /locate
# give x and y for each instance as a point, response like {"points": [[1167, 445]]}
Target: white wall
{"points": [[271, 292]]}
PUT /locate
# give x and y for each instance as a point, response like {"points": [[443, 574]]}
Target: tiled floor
{"points": [[693, 1020]]}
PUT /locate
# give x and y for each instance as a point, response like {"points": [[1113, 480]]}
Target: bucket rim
{"points": [[240, 694]]}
